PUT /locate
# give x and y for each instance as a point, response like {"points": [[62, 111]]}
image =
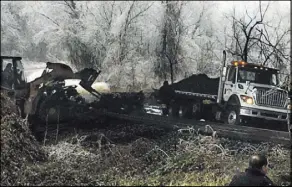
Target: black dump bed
{"points": [[198, 83]]}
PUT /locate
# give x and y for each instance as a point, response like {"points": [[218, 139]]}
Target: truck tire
{"points": [[196, 110], [187, 110], [182, 111], [232, 116], [175, 109]]}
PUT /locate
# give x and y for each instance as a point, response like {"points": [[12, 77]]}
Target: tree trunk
{"points": [[245, 53], [171, 72]]}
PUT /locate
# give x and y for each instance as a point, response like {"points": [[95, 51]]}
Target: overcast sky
{"points": [[282, 7]]}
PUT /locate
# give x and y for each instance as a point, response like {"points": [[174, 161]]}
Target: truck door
{"points": [[229, 86]]}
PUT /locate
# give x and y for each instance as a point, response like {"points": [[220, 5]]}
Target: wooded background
{"points": [[136, 44]]}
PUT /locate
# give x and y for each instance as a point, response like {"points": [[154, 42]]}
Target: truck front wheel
{"points": [[232, 115]]}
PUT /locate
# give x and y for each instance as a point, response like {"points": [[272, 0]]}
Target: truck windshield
{"points": [[257, 76]]}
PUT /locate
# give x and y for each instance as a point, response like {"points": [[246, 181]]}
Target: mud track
{"points": [[244, 133]]}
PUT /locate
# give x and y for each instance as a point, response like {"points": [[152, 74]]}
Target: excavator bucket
{"points": [[56, 74], [87, 77]]}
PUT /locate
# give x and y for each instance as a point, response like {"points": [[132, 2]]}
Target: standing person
{"points": [[255, 174], [166, 94]]}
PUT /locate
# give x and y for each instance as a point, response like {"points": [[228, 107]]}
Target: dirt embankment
{"points": [[18, 146]]}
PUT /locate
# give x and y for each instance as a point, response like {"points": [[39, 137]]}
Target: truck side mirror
{"points": [[224, 58], [247, 83], [224, 71]]}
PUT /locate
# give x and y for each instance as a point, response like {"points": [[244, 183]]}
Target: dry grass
{"points": [[198, 160]]}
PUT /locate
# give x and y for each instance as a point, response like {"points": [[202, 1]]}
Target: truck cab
{"points": [[253, 91]]}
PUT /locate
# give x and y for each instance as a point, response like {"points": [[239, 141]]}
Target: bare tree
{"points": [[127, 37], [171, 38], [274, 49], [254, 36], [244, 33], [80, 53], [131, 17]]}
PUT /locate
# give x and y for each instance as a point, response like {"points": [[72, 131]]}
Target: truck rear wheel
{"points": [[174, 109], [232, 115], [189, 111], [196, 110]]}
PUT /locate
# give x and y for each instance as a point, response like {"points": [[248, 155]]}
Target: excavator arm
{"points": [[86, 76]]}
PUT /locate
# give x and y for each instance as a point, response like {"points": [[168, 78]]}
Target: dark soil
{"points": [[198, 83]]}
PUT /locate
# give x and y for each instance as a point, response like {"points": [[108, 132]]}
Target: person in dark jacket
{"points": [[166, 94], [255, 175]]}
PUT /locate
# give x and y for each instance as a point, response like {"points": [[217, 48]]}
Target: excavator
{"points": [[48, 97], [31, 97]]}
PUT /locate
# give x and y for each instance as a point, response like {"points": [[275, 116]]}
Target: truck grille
{"points": [[274, 98]]}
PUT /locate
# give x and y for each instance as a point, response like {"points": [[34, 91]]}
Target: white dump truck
{"points": [[243, 91]]}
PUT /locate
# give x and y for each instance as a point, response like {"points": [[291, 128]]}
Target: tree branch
{"points": [[56, 23], [141, 12]]}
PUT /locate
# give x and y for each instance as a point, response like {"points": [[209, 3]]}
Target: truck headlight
{"points": [[247, 99], [288, 104]]}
